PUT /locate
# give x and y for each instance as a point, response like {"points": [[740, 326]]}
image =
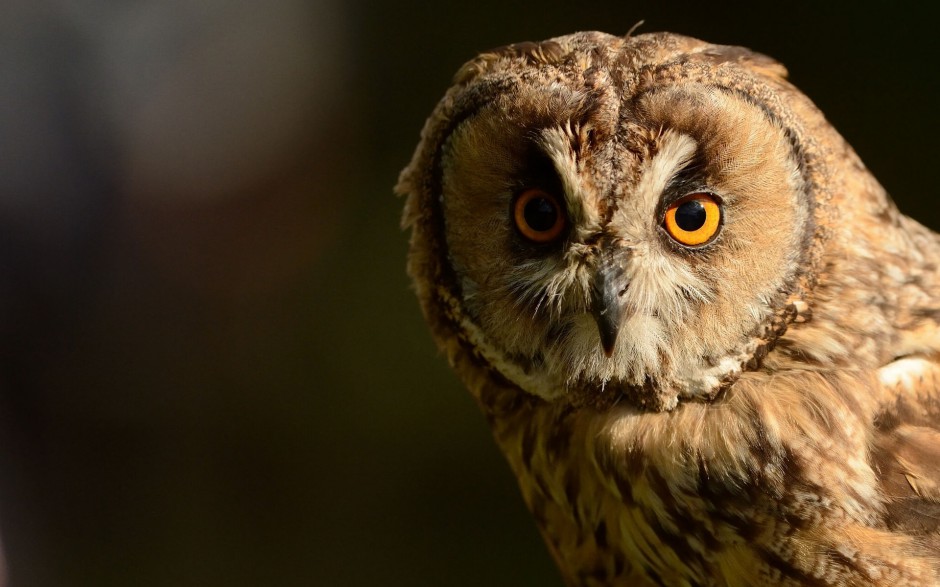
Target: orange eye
{"points": [[539, 216], [693, 220]]}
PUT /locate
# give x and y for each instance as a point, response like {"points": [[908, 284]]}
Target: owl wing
{"points": [[906, 447]]}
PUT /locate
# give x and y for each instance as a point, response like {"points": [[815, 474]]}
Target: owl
{"points": [[703, 336]]}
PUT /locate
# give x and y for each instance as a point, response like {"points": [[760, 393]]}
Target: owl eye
{"points": [[694, 219], [538, 215]]}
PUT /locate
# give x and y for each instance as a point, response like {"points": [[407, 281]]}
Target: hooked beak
{"points": [[608, 285]]}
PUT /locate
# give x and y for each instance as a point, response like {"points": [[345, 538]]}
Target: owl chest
{"points": [[643, 522], [636, 530]]}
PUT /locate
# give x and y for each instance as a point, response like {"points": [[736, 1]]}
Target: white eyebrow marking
{"points": [[675, 152], [557, 143]]}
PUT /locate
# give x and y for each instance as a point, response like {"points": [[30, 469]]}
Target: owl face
{"points": [[609, 235]]}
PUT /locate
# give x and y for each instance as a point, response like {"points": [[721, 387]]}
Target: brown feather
{"points": [[770, 414]]}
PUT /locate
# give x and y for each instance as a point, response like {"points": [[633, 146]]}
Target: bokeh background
{"points": [[212, 370]]}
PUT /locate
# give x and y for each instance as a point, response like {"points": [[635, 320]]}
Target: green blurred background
{"points": [[212, 370]]}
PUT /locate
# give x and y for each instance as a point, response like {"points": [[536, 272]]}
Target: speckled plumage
{"points": [[770, 412]]}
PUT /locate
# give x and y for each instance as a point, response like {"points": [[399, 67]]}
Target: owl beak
{"points": [[609, 284]]}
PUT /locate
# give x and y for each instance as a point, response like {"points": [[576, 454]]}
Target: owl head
{"points": [[601, 219]]}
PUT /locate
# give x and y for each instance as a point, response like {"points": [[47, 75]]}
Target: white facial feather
{"points": [[581, 203], [684, 317]]}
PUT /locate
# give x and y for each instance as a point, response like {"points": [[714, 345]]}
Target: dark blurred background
{"points": [[212, 370]]}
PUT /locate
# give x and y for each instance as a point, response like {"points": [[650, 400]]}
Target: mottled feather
{"points": [[770, 412]]}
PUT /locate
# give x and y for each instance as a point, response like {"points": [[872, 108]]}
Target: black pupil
{"points": [[540, 214], [690, 216]]}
